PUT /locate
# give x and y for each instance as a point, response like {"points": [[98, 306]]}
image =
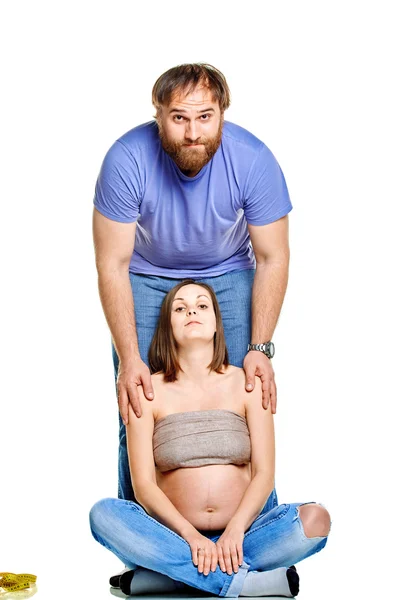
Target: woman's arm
{"points": [[261, 428], [262, 438], [139, 432], [141, 461]]}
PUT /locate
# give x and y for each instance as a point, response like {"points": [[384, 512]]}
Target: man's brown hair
{"points": [[185, 78], [163, 355]]}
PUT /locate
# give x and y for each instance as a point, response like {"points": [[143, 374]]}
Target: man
{"points": [[190, 196]]}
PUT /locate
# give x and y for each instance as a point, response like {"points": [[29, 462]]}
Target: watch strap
{"points": [[265, 348]]}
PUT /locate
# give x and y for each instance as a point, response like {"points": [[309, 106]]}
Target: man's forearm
{"points": [[117, 301], [269, 288]]}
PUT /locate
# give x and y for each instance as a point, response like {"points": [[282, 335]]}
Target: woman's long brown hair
{"points": [[163, 355]]}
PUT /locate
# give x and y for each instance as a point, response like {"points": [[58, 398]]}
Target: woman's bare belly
{"points": [[206, 496]]}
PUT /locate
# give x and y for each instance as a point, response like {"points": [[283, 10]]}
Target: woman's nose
{"points": [[191, 312]]}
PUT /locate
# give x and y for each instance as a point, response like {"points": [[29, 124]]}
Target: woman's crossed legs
{"points": [[278, 538]]}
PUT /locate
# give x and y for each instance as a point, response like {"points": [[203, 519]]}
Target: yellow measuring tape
{"points": [[12, 582]]}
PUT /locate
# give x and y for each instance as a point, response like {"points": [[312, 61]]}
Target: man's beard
{"points": [[191, 159]]}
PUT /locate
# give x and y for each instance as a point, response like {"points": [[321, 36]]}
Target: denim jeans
{"points": [[275, 539], [233, 291]]}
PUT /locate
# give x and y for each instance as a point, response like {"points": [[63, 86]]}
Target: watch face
{"points": [[271, 349]]}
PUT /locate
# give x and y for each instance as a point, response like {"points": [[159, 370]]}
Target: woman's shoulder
{"points": [[151, 406], [236, 383], [162, 390], [234, 372], [238, 379], [238, 375], [157, 377]]}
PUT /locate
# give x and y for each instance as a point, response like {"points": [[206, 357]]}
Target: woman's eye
{"points": [[179, 309], [203, 306]]}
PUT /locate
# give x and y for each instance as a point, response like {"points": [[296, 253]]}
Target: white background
{"points": [[317, 82]]}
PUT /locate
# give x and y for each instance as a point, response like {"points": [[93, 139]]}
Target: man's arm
{"points": [[271, 248], [114, 243]]}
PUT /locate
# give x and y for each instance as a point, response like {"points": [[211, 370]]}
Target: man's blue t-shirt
{"points": [[191, 226]]}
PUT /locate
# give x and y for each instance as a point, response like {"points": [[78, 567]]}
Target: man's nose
{"points": [[192, 132]]}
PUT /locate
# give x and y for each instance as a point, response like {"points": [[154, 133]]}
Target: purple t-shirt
{"points": [[191, 226]]}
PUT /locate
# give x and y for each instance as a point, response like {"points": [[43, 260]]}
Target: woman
{"points": [[202, 467]]}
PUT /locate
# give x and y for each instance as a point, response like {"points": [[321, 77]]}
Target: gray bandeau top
{"points": [[201, 437]]}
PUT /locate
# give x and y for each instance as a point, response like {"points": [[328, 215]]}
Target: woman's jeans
{"points": [[233, 291], [275, 539]]}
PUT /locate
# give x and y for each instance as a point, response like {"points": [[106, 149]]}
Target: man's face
{"points": [[190, 129]]}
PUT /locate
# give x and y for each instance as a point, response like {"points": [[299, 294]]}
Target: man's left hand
{"points": [[256, 364]]}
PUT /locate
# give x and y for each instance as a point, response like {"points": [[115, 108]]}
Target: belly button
{"points": [[209, 510]]}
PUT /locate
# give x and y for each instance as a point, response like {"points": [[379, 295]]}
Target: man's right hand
{"points": [[130, 376]]}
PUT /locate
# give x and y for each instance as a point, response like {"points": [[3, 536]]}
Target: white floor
{"points": [[28, 593], [119, 594], [33, 591]]}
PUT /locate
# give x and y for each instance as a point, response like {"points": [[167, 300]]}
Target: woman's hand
{"points": [[204, 553], [230, 549]]}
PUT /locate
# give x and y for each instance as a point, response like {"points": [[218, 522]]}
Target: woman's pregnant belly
{"points": [[206, 496]]}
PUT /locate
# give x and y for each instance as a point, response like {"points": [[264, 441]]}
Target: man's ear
{"points": [[158, 113]]}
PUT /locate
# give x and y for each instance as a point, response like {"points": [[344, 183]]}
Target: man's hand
{"points": [[130, 375], [257, 364]]}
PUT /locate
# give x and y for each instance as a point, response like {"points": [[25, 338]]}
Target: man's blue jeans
{"points": [[233, 291], [275, 539]]}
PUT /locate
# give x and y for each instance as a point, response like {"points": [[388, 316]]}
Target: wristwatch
{"points": [[267, 348]]}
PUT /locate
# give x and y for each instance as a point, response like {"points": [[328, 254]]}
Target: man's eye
{"points": [[205, 117], [178, 117]]}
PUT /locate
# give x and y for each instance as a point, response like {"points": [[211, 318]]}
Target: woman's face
{"points": [[192, 316]]}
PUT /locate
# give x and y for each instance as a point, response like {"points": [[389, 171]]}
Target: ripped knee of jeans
{"points": [[315, 520]]}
